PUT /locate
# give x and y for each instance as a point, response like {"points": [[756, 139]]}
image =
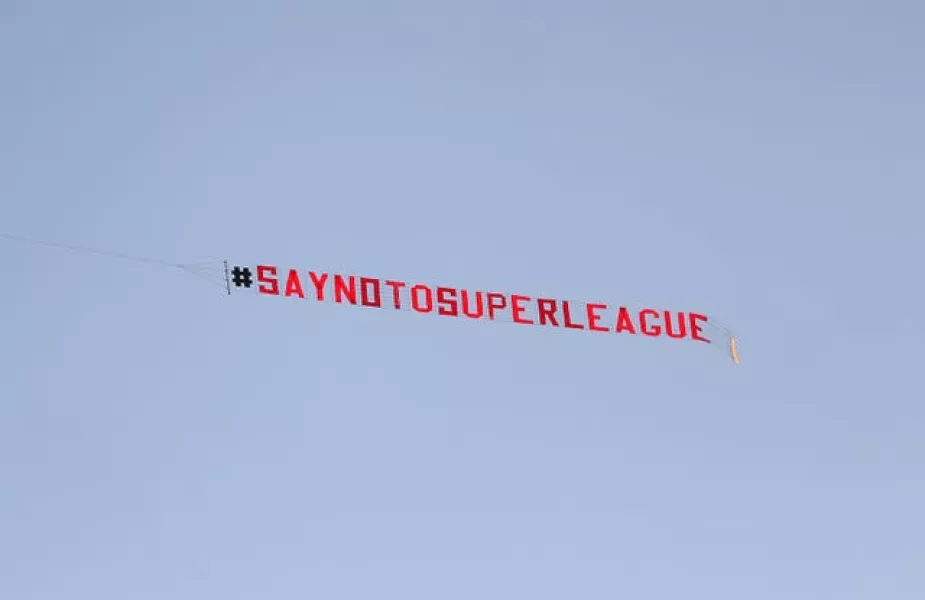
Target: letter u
{"points": [[465, 305], [670, 330]]}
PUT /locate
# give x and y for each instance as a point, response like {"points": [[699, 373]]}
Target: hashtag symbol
{"points": [[242, 277]]}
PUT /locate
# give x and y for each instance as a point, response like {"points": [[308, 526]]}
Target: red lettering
{"points": [[318, 282], [695, 329], [341, 290], [519, 310], [465, 305], [625, 322], [446, 298], [294, 285], [593, 317], [682, 326], [568, 317], [373, 299], [493, 299], [396, 286], [547, 310], [267, 275], [643, 326], [428, 297]]}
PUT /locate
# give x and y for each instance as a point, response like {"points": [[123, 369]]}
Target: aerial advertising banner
{"points": [[450, 301], [475, 304]]}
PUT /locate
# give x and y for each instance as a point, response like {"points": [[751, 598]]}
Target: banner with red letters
{"points": [[466, 303]]}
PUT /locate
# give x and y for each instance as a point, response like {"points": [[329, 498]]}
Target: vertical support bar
{"points": [[227, 279]]}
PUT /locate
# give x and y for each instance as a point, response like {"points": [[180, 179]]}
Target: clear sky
{"points": [[761, 163]]}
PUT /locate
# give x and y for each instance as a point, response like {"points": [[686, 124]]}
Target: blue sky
{"points": [[760, 163]]}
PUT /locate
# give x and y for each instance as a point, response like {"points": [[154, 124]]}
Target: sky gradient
{"points": [[759, 163]]}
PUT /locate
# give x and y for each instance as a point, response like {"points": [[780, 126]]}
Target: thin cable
{"points": [[85, 249], [195, 269]]}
